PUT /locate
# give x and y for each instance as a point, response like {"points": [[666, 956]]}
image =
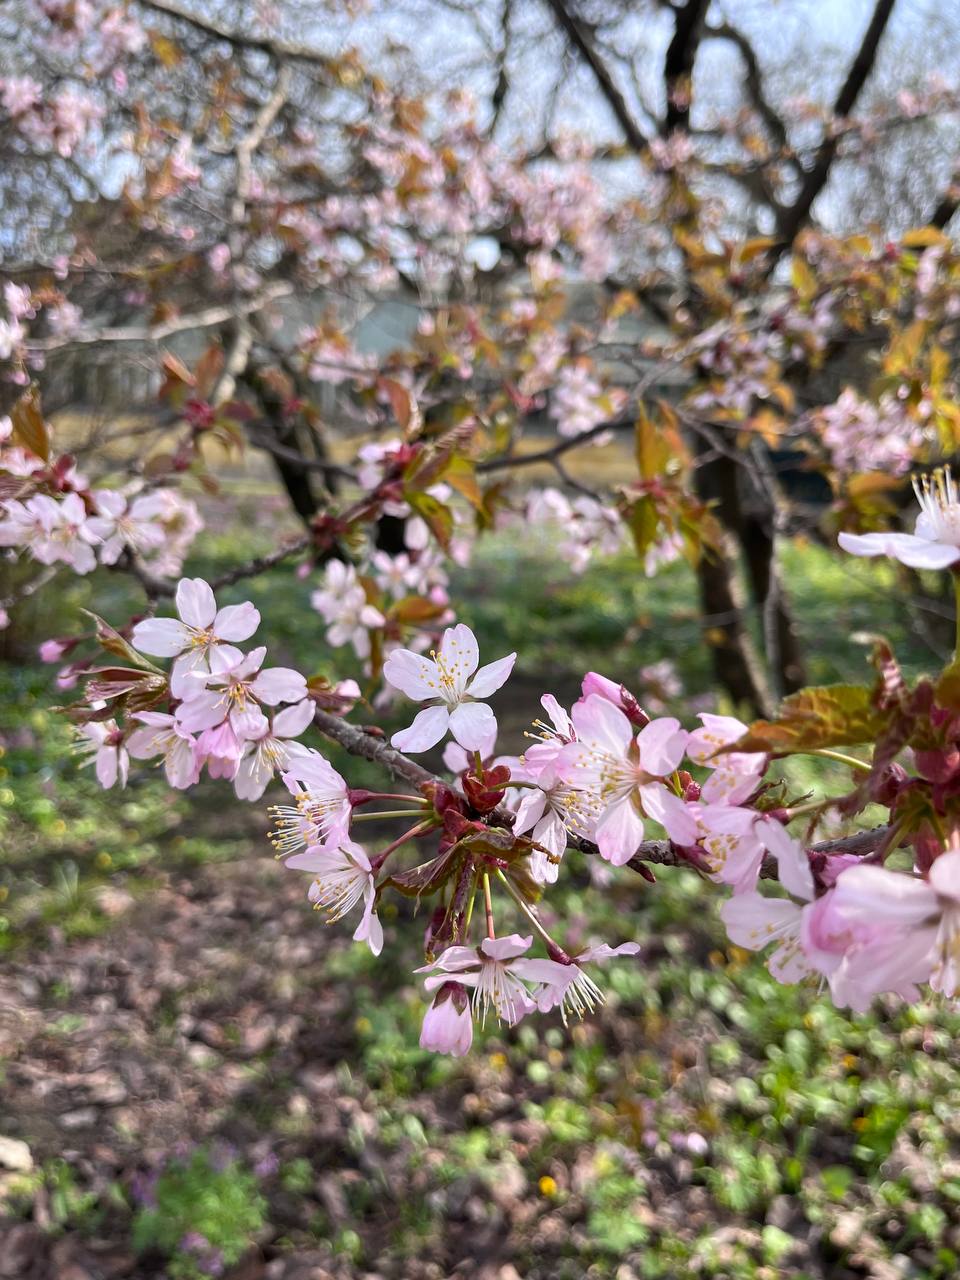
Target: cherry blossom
{"points": [[237, 694], [450, 677], [570, 986], [133, 524], [342, 602], [624, 776], [102, 742], [323, 808], [342, 876], [163, 736], [200, 639], [273, 750], [448, 1024], [496, 970], [935, 541], [735, 774]]}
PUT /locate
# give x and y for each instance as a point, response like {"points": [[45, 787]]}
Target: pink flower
{"points": [[570, 986], [448, 677], [199, 639], [935, 541], [616, 693], [219, 749], [273, 750], [496, 970], [102, 741], [342, 602], [342, 876], [736, 774], [448, 1024], [623, 776], [136, 525], [323, 809], [236, 694], [918, 921], [162, 736]]}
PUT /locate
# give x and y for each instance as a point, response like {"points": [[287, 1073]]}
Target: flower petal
{"points": [[279, 684], [619, 831], [161, 637], [472, 723], [489, 678], [670, 811], [427, 729], [661, 744], [196, 603], [236, 621], [413, 674]]}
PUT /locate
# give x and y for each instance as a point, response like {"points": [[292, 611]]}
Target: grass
{"points": [[709, 1123]]}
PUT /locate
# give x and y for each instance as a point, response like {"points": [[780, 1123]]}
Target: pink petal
{"points": [[106, 767], [661, 745], [793, 864], [529, 811], [253, 774], [412, 674], [620, 830], [752, 920], [460, 651], [670, 811], [279, 684], [204, 709], [944, 875], [506, 948], [489, 678], [472, 724], [878, 896], [600, 721], [292, 721], [236, 621], [161, 637], [426, 731], [196, 603], [918, 553]]}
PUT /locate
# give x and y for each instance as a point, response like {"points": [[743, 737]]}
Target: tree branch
{"points": [[579, 37], [369, 745], [678, 63], [794, 217]]}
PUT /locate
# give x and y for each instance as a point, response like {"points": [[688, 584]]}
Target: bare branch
{"points": [[579, 37]]}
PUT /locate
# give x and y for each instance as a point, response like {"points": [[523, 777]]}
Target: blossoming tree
{"points": [[253, 191]]}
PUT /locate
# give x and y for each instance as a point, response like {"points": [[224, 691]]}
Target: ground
{"points": [[196, 1072]]}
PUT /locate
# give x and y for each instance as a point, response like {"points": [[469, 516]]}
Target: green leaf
{"points": [[438, 516], [832, 715]]}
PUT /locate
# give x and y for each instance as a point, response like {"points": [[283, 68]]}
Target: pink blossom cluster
{"points": [[860, 435]]}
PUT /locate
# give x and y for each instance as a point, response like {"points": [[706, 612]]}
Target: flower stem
{"points": [[527, 911], [377, 862], [387, 813], [956, 597], [488, 904], [840, 757]]}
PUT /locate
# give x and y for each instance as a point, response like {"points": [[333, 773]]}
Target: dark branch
{"points": [[678, 63], [579, 37], [794, 217], [753, 82]]}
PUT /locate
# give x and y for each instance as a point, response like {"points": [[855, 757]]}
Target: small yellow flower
{"points": [[548, 1186]]}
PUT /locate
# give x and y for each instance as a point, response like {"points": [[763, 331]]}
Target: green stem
{"points": [[387, 813], [841, 758], [527, 910], [956, 597], [488, 904]]}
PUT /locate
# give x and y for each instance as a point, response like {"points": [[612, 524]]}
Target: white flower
{"points": [[448, 1024], [199, 638], [342, 876], [623, 776], [935, 541], [496, 970], [162, 736], [342, 602], [570, 986], [323, 809], [102, 742], [136, 525], [448, 679], [236, 694], [273, 750]]}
